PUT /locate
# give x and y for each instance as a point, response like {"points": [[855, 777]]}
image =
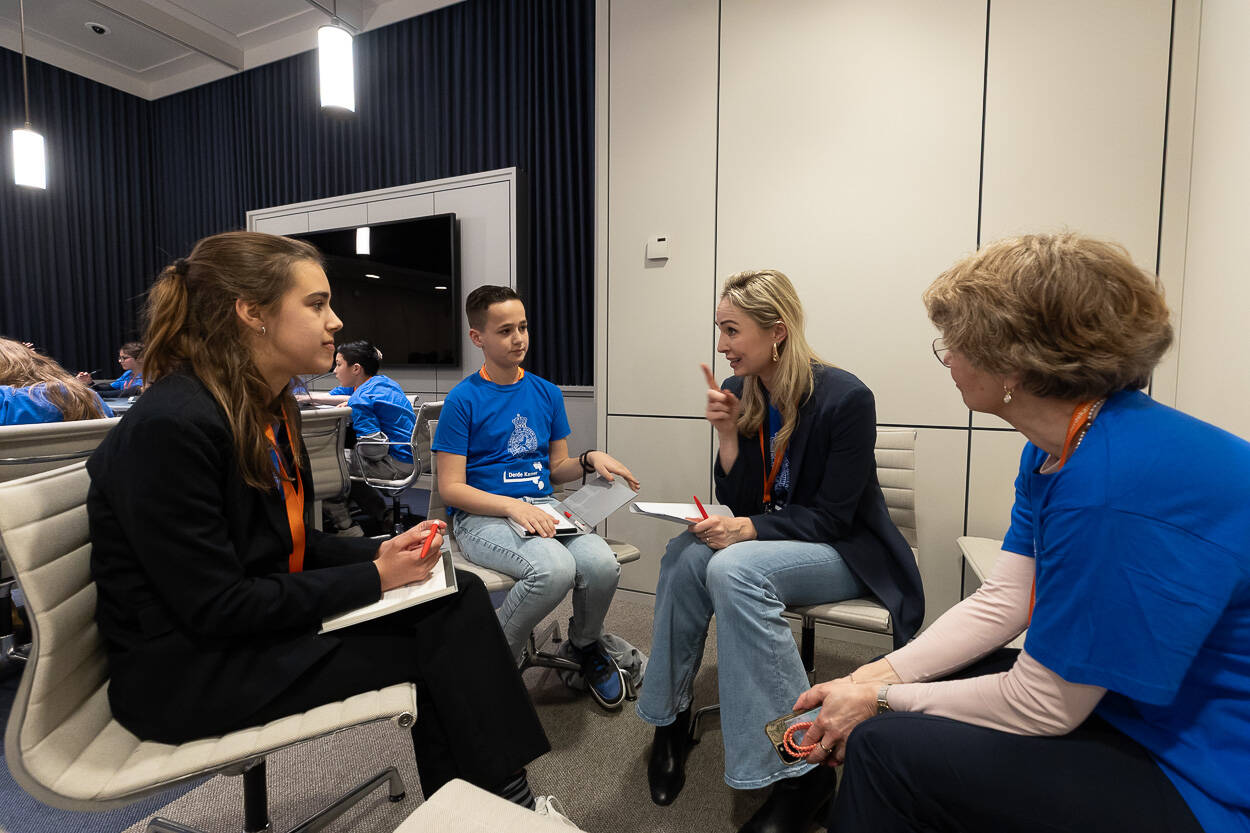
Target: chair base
{"points": [[534, 658], [256, 801]]}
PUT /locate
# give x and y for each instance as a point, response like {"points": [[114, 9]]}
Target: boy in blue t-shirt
{"points": [[502, 441]]}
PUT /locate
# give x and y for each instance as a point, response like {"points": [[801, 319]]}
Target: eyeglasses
{"points": [[941, 351]]}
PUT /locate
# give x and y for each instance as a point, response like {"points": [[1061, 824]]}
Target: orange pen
{"points": [[434, 530]]}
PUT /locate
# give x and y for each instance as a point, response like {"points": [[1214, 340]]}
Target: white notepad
{"points": [[678, 512], [442, 582]]}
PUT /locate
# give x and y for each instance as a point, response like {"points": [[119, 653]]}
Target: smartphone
{"points": [[776, 731]]}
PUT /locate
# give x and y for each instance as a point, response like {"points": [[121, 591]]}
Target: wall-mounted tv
{"points": [[404, 294]]}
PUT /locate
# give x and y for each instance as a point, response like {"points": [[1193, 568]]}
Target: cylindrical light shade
{"points": [[338, 75], [28, 160], [362, 240]]}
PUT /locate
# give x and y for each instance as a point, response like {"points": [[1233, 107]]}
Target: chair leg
{"points": [[321, 818], [807, 649], [255, 799], [160, 825], [698, 716]]}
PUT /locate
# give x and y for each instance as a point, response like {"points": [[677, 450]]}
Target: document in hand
{"points": [[678, 512], [585, 508], [442, 582]]}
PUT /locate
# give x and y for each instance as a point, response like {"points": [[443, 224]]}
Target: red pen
{"points": [[434, 530], [702, 511]]}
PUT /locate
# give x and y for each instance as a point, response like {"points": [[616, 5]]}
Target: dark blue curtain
{"points": [[475, 86]]}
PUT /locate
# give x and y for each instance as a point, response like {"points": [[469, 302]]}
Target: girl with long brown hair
{"points": [[34, 389], [212, 580]]}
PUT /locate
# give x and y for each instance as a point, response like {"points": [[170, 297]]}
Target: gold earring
{"points": [[1006, 394], [775, 356]]}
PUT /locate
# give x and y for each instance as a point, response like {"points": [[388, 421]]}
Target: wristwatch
{"points": [[883, 702]]}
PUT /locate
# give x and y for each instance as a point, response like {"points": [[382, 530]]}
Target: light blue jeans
{"points": [[545, 570], [747, 586]]}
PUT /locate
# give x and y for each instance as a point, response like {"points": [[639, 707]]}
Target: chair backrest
{"points": [[896, 472], [30, 449], [423, 435], [323, 431], [62, 702], [438, 509]]}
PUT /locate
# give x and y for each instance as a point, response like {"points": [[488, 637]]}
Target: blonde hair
{"points": [[768, 298], [1073, 316], [192, 325], [22, 367]]}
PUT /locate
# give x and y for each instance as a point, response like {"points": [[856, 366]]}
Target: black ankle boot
{"points": [[795, 803], [666, 770]]}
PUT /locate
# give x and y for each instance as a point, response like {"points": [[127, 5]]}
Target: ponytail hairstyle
{"points": [[192, 326], [362, 353], [22, 367], [768, 298]]}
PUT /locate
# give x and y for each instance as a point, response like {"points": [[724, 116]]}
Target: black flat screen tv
{"points": [[404, 295]]}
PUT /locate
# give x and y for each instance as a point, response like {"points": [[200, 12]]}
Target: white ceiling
{"points": [[157, 47]]}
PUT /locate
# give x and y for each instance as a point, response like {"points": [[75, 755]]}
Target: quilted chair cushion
{"points": [[63, 745]]}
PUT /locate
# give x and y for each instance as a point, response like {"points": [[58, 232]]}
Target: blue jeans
{"points": [[545, 570], [747, 586]]}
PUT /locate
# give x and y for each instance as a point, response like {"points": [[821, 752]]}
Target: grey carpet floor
{"points": [[597, 766]]}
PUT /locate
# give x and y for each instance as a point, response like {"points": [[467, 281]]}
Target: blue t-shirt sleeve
{"points": [[104, 407], [452, 433], [559, 417], [341, 390], [120, 382], [1019, 537], [1126, 602]]}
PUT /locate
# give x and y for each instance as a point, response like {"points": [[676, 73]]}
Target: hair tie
{"points": [[180, 266]]}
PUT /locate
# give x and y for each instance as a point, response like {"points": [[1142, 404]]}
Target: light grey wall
{"points": [[861, 148]]}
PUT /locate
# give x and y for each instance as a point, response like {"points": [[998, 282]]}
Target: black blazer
{"points": [[834, 494], [202, 620]]}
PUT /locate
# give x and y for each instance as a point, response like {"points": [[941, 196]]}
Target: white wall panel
{"points": [[287, 224], [1075, 109], [991, 486], [661, 180], [345, 216], [672, 459], [1214, 372], [941, 457], [849, 147], [401, 208]]}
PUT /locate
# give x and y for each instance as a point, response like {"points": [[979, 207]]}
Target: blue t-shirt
{"points": [[129, 379], [30, 406], [1142, 558], [781, 486], [504, 433], [379, 405], [341, 390]]}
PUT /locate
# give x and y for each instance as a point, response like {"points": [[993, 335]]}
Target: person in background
{"points": [[130, 383], [1127, 559], [796, 465], [35, 389], [212, 581], [381, 413]]}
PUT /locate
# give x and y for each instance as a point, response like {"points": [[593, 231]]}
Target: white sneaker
{"points": [[547, 805]]}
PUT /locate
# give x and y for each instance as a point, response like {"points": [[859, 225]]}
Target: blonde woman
{"points": [[796, 465], [35, 389]]}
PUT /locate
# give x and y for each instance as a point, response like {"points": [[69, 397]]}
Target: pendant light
{"points": [[336, 65], [29, 166]]}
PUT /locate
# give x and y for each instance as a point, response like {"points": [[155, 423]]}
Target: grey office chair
{"points": [[427, 412]]}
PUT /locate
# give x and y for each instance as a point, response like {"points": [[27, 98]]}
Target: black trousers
{"points": [[907, 771], [474, 717]]}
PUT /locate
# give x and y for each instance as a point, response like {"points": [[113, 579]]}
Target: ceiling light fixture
{"points": [[336, 65], [362, 240], [29, 165]]}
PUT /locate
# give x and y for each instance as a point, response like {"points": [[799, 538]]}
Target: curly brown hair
{"points": [[1074, 317]]}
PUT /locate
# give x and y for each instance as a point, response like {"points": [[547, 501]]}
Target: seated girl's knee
{"points": [[730, 572], [552, 571]]}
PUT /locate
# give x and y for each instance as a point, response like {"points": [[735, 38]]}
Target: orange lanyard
{"points": [[1082, 416], [486, 376], [772, 475], [293, 494]]}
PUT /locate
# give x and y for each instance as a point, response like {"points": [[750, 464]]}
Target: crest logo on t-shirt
{"points": [[523, 439]]}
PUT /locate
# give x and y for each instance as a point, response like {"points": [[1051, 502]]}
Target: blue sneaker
{"points": [[602, 676]]}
